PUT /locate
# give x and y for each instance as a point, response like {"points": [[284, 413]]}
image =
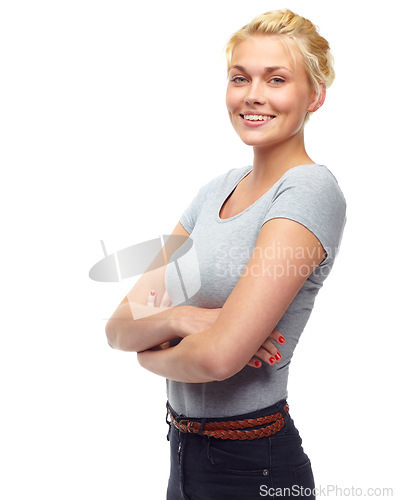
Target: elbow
{"points": [[221, 370], [117, 340], [110, 334], [216, 367], [222, 362], [211, 362]]}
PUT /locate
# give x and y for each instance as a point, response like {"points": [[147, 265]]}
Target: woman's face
{"points": [[268, 93]]}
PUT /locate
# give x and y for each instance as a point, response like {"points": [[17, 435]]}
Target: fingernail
{"points": [[257, 363], [272, 360], [152, 292], [281, 339], [278, 355]]}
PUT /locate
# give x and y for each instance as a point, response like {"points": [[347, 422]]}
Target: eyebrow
{"points": [[268, 69]]}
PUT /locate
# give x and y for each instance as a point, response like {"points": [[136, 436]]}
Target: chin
{"points": [[249, 141]]}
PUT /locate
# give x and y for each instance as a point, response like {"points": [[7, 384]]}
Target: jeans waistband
{"points": [[253, 425]]}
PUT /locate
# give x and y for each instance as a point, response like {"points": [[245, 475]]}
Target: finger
{"points": [[166, 301], [277, 337], [268, 357], [255, 362], [269, 347], [151, 298]]}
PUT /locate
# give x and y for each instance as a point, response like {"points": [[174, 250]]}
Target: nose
{"points": [[255, 95]]}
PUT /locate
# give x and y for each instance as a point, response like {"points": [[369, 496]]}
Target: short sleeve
{"points": [[311, 196]]}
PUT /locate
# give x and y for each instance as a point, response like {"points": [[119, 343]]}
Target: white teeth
{"points": [[264, 118]]}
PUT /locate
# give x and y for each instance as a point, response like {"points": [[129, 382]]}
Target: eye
{"points": [[238, 79], [277, 80]]}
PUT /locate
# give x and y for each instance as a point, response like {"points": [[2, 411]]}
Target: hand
{"points": [[193, 319], [190, 319], [165, 302], [268, 352]]}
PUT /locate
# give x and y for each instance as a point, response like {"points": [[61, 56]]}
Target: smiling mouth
{"points": [[256, 118]]}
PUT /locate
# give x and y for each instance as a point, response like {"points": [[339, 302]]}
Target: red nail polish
{"points": [[278, 355], [257, 363], [272, 360], [281, 339], [152, 292]]}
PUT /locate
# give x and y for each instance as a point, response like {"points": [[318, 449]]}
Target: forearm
{"points": [[183, 363], [203, 357], [137, 327]]}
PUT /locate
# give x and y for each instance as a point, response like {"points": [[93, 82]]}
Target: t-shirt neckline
{"points": [[244, 173]]}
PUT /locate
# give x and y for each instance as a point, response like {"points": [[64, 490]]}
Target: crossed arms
{"points": [[217, 343]]}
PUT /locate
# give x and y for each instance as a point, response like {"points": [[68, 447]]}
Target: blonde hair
{"points": [[295, 29]]}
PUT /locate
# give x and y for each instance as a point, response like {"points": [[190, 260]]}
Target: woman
{"points": [[264, 238]]}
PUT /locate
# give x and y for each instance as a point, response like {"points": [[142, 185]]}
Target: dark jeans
{"points": [[206, 468]]}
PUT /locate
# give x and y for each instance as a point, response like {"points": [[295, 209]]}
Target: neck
{"points": [[272, 162]]}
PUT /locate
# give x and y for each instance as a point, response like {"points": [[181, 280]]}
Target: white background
{"points": [[112, 116]]}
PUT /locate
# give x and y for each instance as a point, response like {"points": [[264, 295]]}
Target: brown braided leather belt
{"points": [[231, 429]]}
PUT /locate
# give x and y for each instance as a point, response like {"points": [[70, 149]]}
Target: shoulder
{"points": [[315, 178], [311, 195]]}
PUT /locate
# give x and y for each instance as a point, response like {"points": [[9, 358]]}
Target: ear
{"points": [[318, 100]]}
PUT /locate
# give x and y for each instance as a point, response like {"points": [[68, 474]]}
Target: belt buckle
{"points": [[185, 423]]}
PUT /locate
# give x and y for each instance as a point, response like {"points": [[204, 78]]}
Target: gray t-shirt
{"points": [[206, 275]]}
